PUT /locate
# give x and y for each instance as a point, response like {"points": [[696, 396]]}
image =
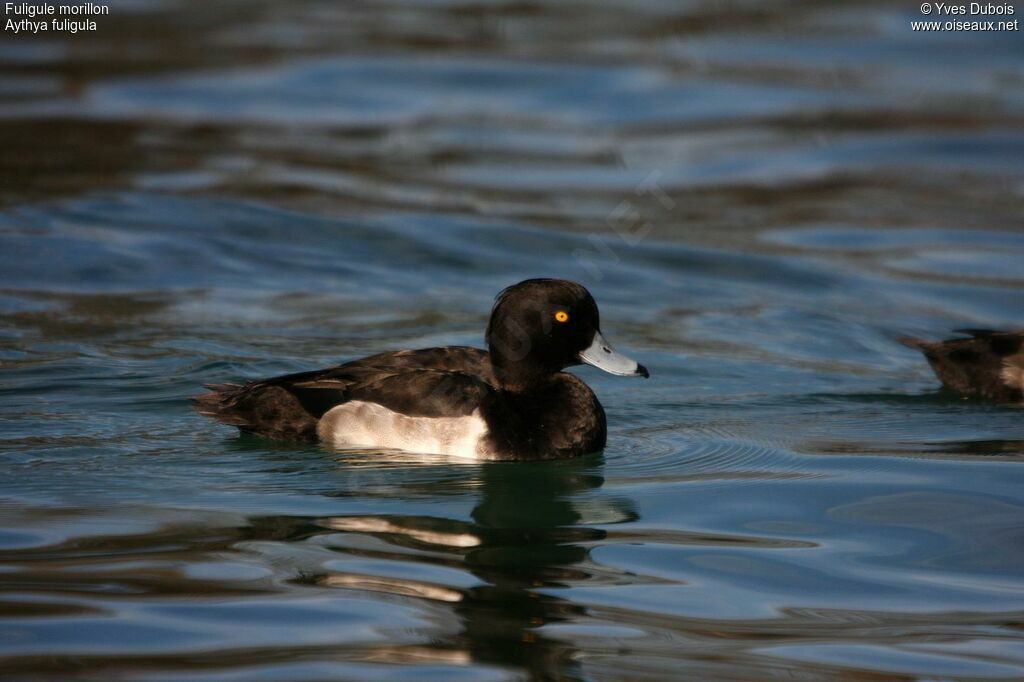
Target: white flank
{"points": [[359, 424]]}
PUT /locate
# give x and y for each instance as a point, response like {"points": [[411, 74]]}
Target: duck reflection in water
{"points": [[531, 533]]}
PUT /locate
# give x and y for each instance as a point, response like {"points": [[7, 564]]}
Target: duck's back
{"points": [[447, 382]]}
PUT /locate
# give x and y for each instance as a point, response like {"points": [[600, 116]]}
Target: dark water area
{"points": [[762, 196]]}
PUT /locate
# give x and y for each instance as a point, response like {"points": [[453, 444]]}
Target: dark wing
{"points": [[428, 382], [424, 393], [462, 359], [987, 365]]}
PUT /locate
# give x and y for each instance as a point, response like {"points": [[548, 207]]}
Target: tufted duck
{"points": [[511, 402]]}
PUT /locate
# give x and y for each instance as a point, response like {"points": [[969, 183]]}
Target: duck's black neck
{"points": [[522, 377]]}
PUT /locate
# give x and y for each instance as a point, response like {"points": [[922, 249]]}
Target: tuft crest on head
{"points": [[540, 326], [555, 298]]}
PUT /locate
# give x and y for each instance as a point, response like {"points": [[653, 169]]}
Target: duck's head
{"points": [[541, 326]]}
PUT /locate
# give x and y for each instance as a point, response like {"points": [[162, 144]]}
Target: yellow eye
{"points": [[561, 316]]}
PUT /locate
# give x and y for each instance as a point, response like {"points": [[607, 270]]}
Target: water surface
{"points": [[761, 196]]}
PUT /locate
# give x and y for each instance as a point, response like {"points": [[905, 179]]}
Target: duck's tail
{"points": [[220, 404], [259, 408], [911, 342]]}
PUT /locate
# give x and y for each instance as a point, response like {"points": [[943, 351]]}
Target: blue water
{"points": [[761, 197]]}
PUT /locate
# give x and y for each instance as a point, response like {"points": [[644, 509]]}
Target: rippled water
{"points": [[762, 197]]}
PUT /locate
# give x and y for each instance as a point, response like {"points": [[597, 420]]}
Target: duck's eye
{"points": [[561, 316]]}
